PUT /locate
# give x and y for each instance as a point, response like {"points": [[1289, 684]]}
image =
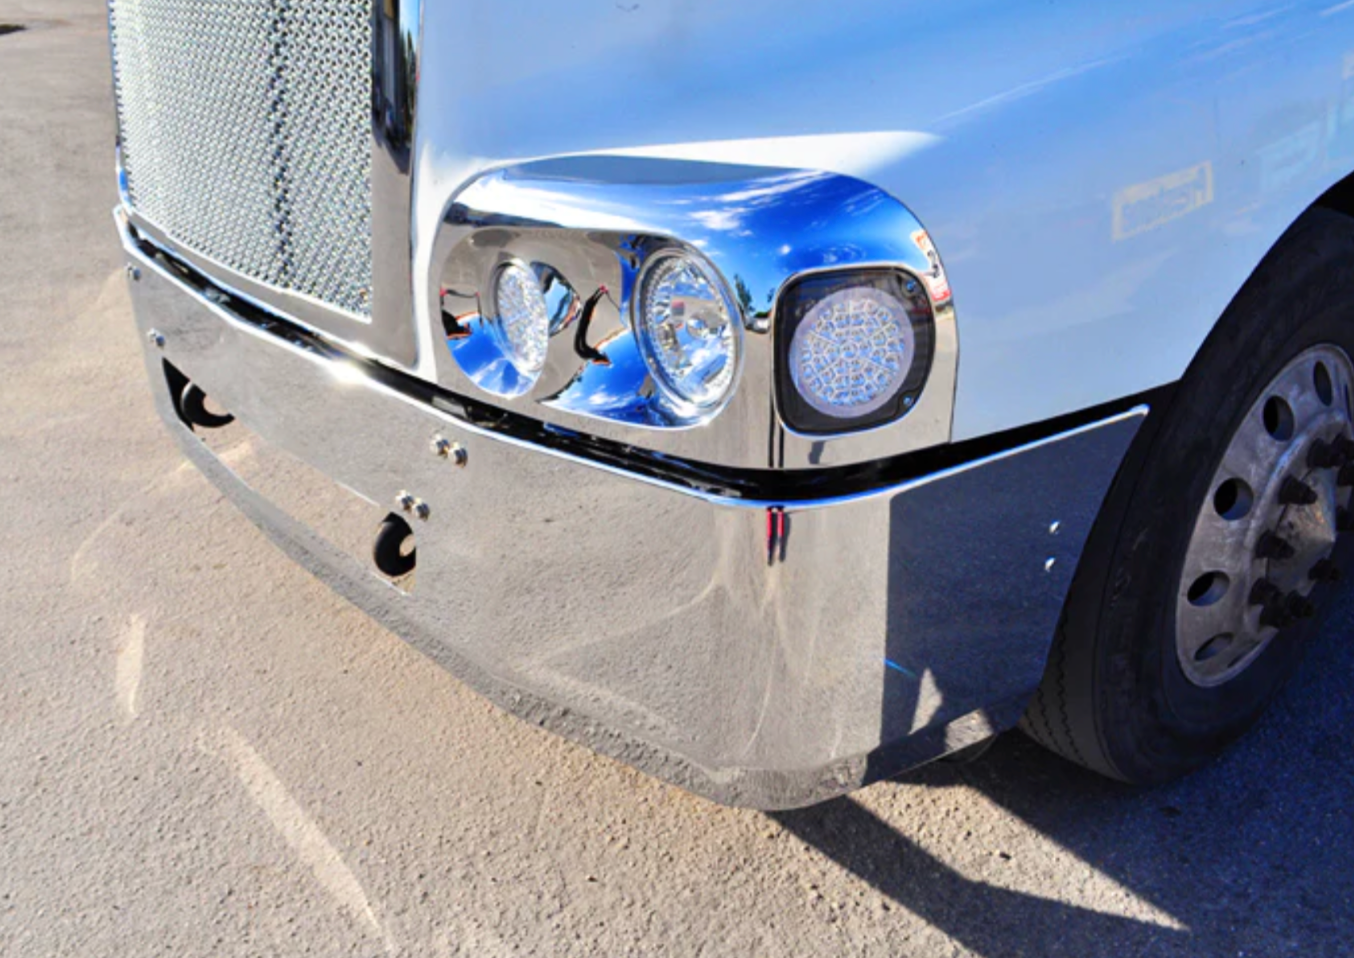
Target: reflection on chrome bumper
{"points": [[663, 627]]}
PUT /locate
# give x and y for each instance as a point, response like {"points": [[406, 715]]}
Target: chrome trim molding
{"points": [[866, 635], [396, 47], [598, 219]]}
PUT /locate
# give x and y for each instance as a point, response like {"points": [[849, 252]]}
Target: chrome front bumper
{"points": [[652, 622]]}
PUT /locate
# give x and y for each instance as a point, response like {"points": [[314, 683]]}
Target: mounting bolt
{"points": [[1325, 571], [134, 272], [454, 451], [422, 510], [405, 502], [1272, 546], [156, 338], [1295, 492]]}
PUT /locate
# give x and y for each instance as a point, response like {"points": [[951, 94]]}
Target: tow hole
{"points": [[395, 552]]}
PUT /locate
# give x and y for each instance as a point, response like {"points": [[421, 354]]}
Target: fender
{"points": [[1100, 184]]}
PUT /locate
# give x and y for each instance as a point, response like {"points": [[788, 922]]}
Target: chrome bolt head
{"points": [[405, 502], [446, 449], [156, 338], [422, 511]]}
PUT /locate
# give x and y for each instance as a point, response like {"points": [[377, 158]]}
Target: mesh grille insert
{"points": [[246, 135]]}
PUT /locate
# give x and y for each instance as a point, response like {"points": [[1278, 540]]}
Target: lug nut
{"points": [[1276, 615], [1325, 571], [1299, 606], [1322, 455], [1295, 492], [156, 338], [405, 502], [422, 511], [1272, 546], [1265, 592]]}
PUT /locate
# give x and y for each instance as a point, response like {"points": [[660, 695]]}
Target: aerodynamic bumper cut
{"points": [[769, 652]]}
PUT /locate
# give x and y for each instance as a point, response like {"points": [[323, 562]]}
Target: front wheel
{"points": [[1218, 544]]}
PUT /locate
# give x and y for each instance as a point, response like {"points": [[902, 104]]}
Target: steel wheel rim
{"points": [[1263, 536]]}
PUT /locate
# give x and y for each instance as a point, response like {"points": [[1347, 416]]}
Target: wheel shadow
{"points": [[1253, 855]]}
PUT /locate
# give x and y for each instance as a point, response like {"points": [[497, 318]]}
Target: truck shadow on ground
{"points": [[1267, 823]]}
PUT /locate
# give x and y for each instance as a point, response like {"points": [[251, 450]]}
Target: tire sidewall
{"points": [[1154, 724]]}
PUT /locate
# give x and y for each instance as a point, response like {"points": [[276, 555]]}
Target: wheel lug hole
{"points": [[1233, 500], [1278, 418], [1208, 589]]}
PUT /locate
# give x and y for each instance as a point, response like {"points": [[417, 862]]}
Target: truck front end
{"points": [[657, 441]]}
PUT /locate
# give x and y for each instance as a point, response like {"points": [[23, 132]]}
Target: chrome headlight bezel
{"points": [[598, 221]]}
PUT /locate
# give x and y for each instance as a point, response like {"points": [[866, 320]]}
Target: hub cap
{"points": [[1264, 535]]}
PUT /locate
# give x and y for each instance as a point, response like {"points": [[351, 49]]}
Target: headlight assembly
{"points": [[854, 349], [689, 332], [521, 319]]}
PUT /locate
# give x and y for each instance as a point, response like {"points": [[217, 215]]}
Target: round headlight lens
{"points": [[851, 354], [521, 318], [687, 329]]}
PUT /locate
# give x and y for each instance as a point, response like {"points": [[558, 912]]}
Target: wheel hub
{"points": [[1263, 538]]}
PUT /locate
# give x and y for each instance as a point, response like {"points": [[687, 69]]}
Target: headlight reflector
{"points": [[521, 319], [687, 330]]}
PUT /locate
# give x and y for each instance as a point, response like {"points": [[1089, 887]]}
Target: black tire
{"points": [[1114, 697]]}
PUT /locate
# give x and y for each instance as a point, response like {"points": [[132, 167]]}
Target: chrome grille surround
{"points": [[246, 137]]}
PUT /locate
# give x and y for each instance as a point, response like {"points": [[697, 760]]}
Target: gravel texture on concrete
{"points": [[204, 752]]}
